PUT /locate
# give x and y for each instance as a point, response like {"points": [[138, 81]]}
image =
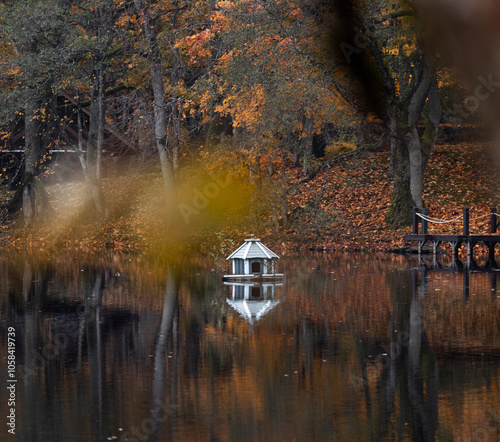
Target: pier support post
{"points": [[435, 245], [470, 248], [491, 251], [454, 249], [420, 247]]}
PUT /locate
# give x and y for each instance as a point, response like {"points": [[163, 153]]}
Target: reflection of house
{"points": [[252, 301], [253, 260]]}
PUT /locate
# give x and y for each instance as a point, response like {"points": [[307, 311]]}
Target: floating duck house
{"points": [[253, 260]]}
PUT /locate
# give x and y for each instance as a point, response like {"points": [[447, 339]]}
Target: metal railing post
{"points": [[425, 212], [466, 221], [415, 221]]}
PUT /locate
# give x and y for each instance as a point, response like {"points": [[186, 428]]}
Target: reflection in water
{"points": [[92, 320], [252, 300], [169, 326], [456, 266], [403, 378], [378, 349], [34, 286]]}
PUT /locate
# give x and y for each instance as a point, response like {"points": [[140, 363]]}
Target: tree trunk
{"points": [[254, 180], [101, 120], [394, 142], [296, 155], [175, 77], [159, 105], [176, 135], [33, 145], [412, 141], [87, 161], [92, 157], [31, 194], [402, 204], [412, 151], [434, 115]]}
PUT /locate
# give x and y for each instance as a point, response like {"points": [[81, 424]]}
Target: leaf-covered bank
{"points": [[341, 209]]}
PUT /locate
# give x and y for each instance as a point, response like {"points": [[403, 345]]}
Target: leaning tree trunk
{"points": [[393, 136]]}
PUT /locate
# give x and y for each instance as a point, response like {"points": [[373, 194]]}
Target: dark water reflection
{"points": [[349, 348]]}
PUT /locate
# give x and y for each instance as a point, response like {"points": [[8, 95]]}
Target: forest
{"points": [[142, 141], [320, 122]]}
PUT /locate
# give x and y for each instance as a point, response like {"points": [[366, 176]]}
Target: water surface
{"points": [[348, 348]]}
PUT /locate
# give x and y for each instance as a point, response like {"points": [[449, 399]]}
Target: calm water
{"points": [[349, 348]]}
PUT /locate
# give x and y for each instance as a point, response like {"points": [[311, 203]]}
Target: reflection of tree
{"points": [[290, 377], [57, 334], [161, 405], [33, 290], [93, 320], [410, 372]]}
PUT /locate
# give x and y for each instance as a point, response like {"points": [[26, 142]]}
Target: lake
{"points": [[346, 348]]}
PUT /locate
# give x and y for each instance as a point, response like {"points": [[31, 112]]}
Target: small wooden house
{"points": [[253, 260]]}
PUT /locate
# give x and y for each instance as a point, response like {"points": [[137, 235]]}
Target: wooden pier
{"points": [[455, 241]]}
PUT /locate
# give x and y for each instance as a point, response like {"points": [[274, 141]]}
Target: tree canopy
{"points": [[267, 83]]}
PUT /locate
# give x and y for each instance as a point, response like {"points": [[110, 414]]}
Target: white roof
{"points": [[252, 248], [252, 310]]}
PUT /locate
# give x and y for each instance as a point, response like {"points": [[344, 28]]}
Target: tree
{"points": [[270, 87], [96, 45], [35, 33], [384, 45], [156, 66]]}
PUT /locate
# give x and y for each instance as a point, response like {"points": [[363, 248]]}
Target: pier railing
{"points": [[423, 218], [455, 240]]}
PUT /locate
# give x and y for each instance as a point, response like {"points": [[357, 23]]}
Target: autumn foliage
{"points": [[341, 209], [257, 123]]}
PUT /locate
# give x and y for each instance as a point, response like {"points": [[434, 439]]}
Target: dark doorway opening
{"points": [[255, 292], [256, 267]]}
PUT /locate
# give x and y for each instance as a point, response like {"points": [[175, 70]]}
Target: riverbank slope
{"points": [[342, 209]]}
